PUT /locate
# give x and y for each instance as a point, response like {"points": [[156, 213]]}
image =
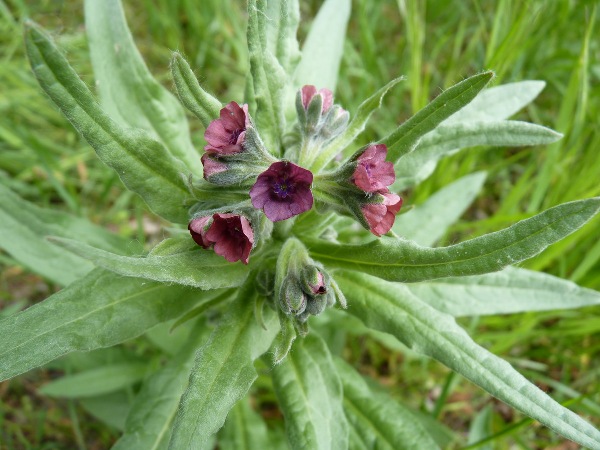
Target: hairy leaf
{"points": [[282, 26], [498, 102], [399, 260], [143, 163], [197, 100], [148, 425], [191, 266], [103, 302], [310, 396], [128, 92], [392, 308], [448, 139], [404, 139], [268, 78], [510, 291], [223, 372], [324, 46], [378, 421], [245, 429], [425, 224]]}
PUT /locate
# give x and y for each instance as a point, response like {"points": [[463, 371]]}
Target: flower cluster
{"points": [[373, 175], [236, 159]]}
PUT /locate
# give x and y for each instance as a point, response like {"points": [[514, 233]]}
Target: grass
{"points": [[434, 43]]}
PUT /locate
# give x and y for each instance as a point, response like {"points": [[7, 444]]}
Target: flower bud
{"points": [[291, 298], [313, 281]]}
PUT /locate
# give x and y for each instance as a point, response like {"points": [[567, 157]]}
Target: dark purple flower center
{"points": [[283, 188], [234, 136]]}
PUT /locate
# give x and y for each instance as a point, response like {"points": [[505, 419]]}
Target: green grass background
{"points": [[435, 43]]}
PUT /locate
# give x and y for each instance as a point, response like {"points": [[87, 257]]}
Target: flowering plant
{"points": [[289, 225]]}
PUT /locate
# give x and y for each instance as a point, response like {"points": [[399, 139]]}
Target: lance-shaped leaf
{"points": [[148, 425], [245, 429], [197, 100], [310, 396], [378, 421], [143, 164], [324, 46], [189, 265], [498, 102], [282, 26], [98, 381], [355, 127], [425, 224], [392, 308], [128, 92], [103, 302], [223, 371], [269, 80], [448, 139], [404, 139], [510, 291], [399, 260]]}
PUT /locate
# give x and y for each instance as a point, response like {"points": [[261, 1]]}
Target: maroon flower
{"points": [[232, 235], [381, 216], [226, 134], [373, 173], [212, 166], [198, 228], [309, 91], [283, 191]]}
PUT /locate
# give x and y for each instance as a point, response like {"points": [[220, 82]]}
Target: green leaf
{"points": [[392, 308], [143, 164], [148, 425], [399, 260], [268, 78], [282, 26], [310, 396], [197, 100], [510, 291], [404, 139], [355, 127], [498, 102], [192, 266], [324, 46], [223, 371], [246, 429], [98, 381], [24, 226], [101, 302], [112, 409], [378, 421], [448, 139], [128, 92], [425, 224]]}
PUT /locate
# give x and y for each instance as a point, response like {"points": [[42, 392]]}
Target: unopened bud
{"points": [[291, 297], [313, 281]]}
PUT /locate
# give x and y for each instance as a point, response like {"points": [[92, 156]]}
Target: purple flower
{"points": [[226, 134], [381, 216], [283, 191], [232, 235], [212, 166], [309, 91], [373, 173], [198, 228]]}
